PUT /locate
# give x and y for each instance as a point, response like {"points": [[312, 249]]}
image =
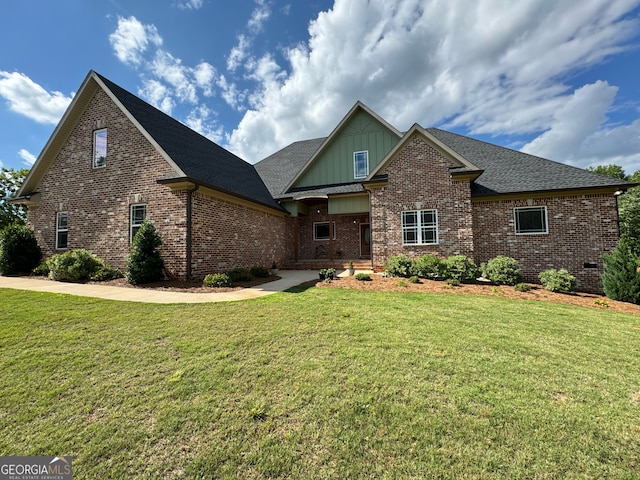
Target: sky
{"points": [[554, 78]]}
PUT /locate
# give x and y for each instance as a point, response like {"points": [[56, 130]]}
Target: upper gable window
{"points": [[531, 220], [361, 164], [100, 148]]}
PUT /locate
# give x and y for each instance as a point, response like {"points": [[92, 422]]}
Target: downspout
{"points": [[189, 198], [616, 195]]}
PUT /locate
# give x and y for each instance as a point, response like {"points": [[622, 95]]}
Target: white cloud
{"points": [[579, 133], [28, 157], [201, 120], [158, 95], [242, 50], [497, 68], [191, 4], [31, 100], [132, 38]]}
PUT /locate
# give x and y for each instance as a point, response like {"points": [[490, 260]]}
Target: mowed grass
{"points": [[322, 383]]}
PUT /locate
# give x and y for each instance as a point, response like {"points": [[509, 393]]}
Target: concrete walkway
{"points": [[288, 279]]}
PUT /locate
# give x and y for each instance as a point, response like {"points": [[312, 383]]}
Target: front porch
{"points": [[321, 238]]}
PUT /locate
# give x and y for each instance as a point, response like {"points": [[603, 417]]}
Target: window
{"points": [[420, 227], [360, 164], [138, 214], [100, 148], [531, 220], [321, 230], [62, 230]]}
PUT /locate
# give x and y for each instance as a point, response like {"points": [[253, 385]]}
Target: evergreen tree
{"points": [[145, 263], [19, 250], [621, 279]]}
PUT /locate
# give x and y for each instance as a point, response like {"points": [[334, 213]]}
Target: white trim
{"points": [[61, 230], [316, 239], [94, 164], [419, 227], [536, 207], [355, 167], [131, 218]]}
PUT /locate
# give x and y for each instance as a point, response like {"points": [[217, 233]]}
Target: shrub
{"points": [[19, 250], [239, 275], [105, 272], [460, 268], [453, 282], [41, 270], [414, 279], [521, 287], [362, 277], [217, 280], [399, 266], [428, 266], [503, 270], [557, 280], [259, 272], [74, 266], [621, 280], [145, 263]]}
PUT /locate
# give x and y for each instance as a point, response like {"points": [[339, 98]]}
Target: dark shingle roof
{"points": [[280, 168], [510, 171], [198, 157], [504, 170]]}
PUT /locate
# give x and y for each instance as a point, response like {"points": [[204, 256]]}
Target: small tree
{"points": [[19, 250], [10, 182], [621, 280], [145, 263]]}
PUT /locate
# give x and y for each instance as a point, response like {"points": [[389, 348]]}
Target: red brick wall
{"points": [[419, 179], [581, 229], [98, 200], [227, 235]]}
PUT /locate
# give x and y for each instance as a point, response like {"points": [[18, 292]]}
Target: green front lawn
{"points": [[322, 383]]}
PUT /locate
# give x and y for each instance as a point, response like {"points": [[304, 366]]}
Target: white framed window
{"points": [[138, 214], [361, 164], [321, 230], [62, 230], [420, 227], [531, 220], [100, 148]]}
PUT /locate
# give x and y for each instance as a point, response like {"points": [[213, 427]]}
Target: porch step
{"points": [[317, 264]]}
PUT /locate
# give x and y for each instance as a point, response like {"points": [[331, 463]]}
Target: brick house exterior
{"points": [[363, 194]]}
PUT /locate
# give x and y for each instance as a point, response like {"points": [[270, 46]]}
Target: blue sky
{"points": [[555, 78]]}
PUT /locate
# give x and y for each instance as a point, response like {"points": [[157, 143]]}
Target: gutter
{"points": [[189, 223]]}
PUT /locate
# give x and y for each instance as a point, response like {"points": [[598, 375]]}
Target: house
{"points": [[364, 193]]}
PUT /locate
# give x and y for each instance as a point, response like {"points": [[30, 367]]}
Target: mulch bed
{"points": [[380, 283]]}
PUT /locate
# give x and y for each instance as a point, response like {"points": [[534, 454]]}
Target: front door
{"points": [[365, 240]]}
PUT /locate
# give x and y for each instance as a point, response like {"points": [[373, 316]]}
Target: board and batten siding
{"points": [[335, 163]]}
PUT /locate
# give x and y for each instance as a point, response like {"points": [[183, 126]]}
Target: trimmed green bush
{"points": [[399, 266], [239, 275], [621, 280], [557, 280], [362, 277], [19, 250], [105, 272], [259, 272], [74, 266], [41, 270], [145, 263], [217, 280], [414, 279], [522, 287], [460, 268], [503, 270], [428, 266]]}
